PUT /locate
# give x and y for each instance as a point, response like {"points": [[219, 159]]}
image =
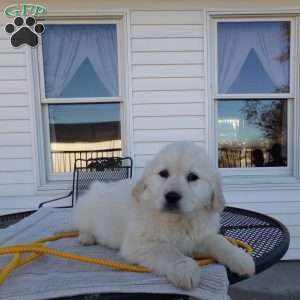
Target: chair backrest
{"points": [[102, 169]]}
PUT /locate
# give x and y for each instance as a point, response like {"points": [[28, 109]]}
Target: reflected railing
{"points": [[242, 158], [63, 161]]}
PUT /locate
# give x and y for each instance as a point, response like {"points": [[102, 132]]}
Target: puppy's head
{"points": [[180, 180]]}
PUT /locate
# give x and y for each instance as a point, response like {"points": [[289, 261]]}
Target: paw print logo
{"points": [[24, 32]]}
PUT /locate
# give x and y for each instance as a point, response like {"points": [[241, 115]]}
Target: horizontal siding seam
{"points": [[12, 52], [160, 141], [11, 184], [16, 79], [165, 37], [137, 103], [165, 129], [168, 90], [165, 10], [13, 93], [264, 202], [197, 37], [172, 128], [167, 24], [13, 66], [17, 158], [169, 51], [168, 77], [14, 119], [16, 145], [13, 132], [168, 64], [169, 116], [16, 182], [14, 106], [15, 171]]}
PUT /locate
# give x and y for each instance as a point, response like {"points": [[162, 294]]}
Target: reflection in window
{"points": [[252, 133], [253, 57], [83, 131]]}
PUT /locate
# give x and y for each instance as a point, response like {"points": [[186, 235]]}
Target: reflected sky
{"points": [[232, 125], [252, 133], [248, 121], [84, 113]]}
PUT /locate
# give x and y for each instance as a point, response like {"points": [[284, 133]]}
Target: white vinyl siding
{"points": [[16, 161], [17, 179], [168, 99], [167, 50], [282, 204], [12, 59]]}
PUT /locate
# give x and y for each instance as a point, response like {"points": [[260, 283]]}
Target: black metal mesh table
{"points": [[268, 237]]}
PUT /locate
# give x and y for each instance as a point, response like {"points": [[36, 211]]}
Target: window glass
{"points": [[83, 131], [80, 60], [253, 57], [252, 133]]}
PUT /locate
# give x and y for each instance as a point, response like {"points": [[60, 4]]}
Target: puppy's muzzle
{"points": [[172, 200]]}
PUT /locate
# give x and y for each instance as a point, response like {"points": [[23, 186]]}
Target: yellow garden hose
{"points": [[38, 248]]}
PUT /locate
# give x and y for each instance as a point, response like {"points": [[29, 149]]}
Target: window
{"points": [[81, 95], [253, 94], [83, 131]]}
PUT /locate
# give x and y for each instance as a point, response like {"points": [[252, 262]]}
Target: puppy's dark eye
{"points": [[192, 177], [164, 173]]}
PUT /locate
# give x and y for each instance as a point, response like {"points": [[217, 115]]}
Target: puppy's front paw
{"points": [[86, 239], [242, 264], [184, 274]]}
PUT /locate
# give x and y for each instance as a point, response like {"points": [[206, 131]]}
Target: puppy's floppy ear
{"points": [[138, 189], [218, 200]]}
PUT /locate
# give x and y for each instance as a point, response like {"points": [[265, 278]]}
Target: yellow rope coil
{"points": [[38, 248]]}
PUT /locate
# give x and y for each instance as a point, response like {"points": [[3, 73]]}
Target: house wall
{"points": [[167, 100]]}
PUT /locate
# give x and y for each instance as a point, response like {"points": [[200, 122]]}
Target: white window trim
{"points": [[256, 181], [43, 178]]}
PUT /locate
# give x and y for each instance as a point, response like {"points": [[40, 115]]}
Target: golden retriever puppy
{"points": [[172, 212]]}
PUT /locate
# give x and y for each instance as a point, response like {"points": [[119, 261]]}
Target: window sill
{"points": [[248, 183]]}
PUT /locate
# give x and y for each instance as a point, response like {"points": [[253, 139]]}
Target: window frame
{"points": [[247, 174], [47, 180]]}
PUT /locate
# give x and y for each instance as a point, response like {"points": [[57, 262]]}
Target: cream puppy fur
{"points": [[172, 212]]}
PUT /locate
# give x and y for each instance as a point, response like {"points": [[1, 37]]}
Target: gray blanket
{"points": [[53, 277]]}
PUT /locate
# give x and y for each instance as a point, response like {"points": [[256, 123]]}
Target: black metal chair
{"points": [[88, 170]]}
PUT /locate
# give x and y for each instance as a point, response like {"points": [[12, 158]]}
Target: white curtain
{"points": [[237, 39], [103, 49], [65, 47]]}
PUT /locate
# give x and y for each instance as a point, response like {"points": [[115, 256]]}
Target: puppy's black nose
{"points": [[172, 198]]}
